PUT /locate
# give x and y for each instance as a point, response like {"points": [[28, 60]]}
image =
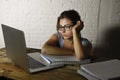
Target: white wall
{"points": [[109, 17], [37, 18]]}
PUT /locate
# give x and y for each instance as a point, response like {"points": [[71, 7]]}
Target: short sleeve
{"points": [[87, 46], [85, 42]]}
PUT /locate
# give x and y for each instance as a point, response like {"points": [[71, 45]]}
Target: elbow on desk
{"points": [[84, 56], [80, 57], [43, 50]]}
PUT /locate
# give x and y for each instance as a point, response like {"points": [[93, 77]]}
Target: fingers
{"points": [[78, 23]]}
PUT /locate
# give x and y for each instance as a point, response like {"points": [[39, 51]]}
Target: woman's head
{"points": [[70, 14], [66, 21]]}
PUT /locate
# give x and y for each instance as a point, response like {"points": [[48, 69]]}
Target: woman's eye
{"points": [[67, 26], [60, 28]]}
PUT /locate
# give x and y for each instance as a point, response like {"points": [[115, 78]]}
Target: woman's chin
{"points": [[66, 38]]}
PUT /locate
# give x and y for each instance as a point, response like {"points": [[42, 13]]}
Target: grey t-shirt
{"points": [[85, 41]]}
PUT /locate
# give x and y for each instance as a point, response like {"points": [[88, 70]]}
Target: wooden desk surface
{"points": [[9, 70]]}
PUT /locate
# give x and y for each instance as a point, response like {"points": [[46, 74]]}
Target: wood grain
{"points": [[10, 70]]}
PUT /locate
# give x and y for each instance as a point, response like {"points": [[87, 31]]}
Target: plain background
{"points": [[37, 18]]}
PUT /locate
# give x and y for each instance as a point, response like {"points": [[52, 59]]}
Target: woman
{"points": [[67, 40]]}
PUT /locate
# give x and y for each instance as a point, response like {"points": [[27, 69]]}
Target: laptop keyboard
{"points": [[34, 64]]}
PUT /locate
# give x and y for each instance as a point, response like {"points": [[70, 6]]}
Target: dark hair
{"points": [[70, 14]]}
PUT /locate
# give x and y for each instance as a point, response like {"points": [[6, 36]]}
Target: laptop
{"points": [[16, 50]]}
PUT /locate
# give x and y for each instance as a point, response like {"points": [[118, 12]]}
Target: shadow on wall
{"points": [[110, 47]]}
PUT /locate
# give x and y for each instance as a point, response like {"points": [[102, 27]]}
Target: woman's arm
{"points": [[80, 51], [78, 48], [51, 47]]}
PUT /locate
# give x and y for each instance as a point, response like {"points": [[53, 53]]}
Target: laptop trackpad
{"points": [[33, 64]]}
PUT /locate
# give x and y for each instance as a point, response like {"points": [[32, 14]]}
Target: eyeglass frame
{"points": [[65, 27]]}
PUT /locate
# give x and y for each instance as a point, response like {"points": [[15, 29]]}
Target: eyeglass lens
{"points": [[66, 27]]}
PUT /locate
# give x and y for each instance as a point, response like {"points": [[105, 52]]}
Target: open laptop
{"points": [[16, 50]]}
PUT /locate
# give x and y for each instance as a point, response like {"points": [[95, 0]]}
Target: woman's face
{"points": [[65, 28]]}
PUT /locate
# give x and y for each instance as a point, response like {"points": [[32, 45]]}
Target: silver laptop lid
{"points": [[15, 46]]}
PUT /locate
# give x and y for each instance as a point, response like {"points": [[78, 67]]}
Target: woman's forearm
{"points": [[47, 49], [78, 48]]}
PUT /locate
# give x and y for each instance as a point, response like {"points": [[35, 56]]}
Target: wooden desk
{"points": [[9, 70]]}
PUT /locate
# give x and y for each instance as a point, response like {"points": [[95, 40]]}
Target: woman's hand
{"points": [[78, 48], [77, 26]]}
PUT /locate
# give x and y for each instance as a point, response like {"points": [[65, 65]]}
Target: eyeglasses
{"points": [[65, 27]]}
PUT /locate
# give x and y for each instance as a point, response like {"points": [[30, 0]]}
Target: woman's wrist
{"points": [[75, 30]]}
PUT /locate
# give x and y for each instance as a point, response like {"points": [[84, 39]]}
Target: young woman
{"points": [[68, 40]]}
